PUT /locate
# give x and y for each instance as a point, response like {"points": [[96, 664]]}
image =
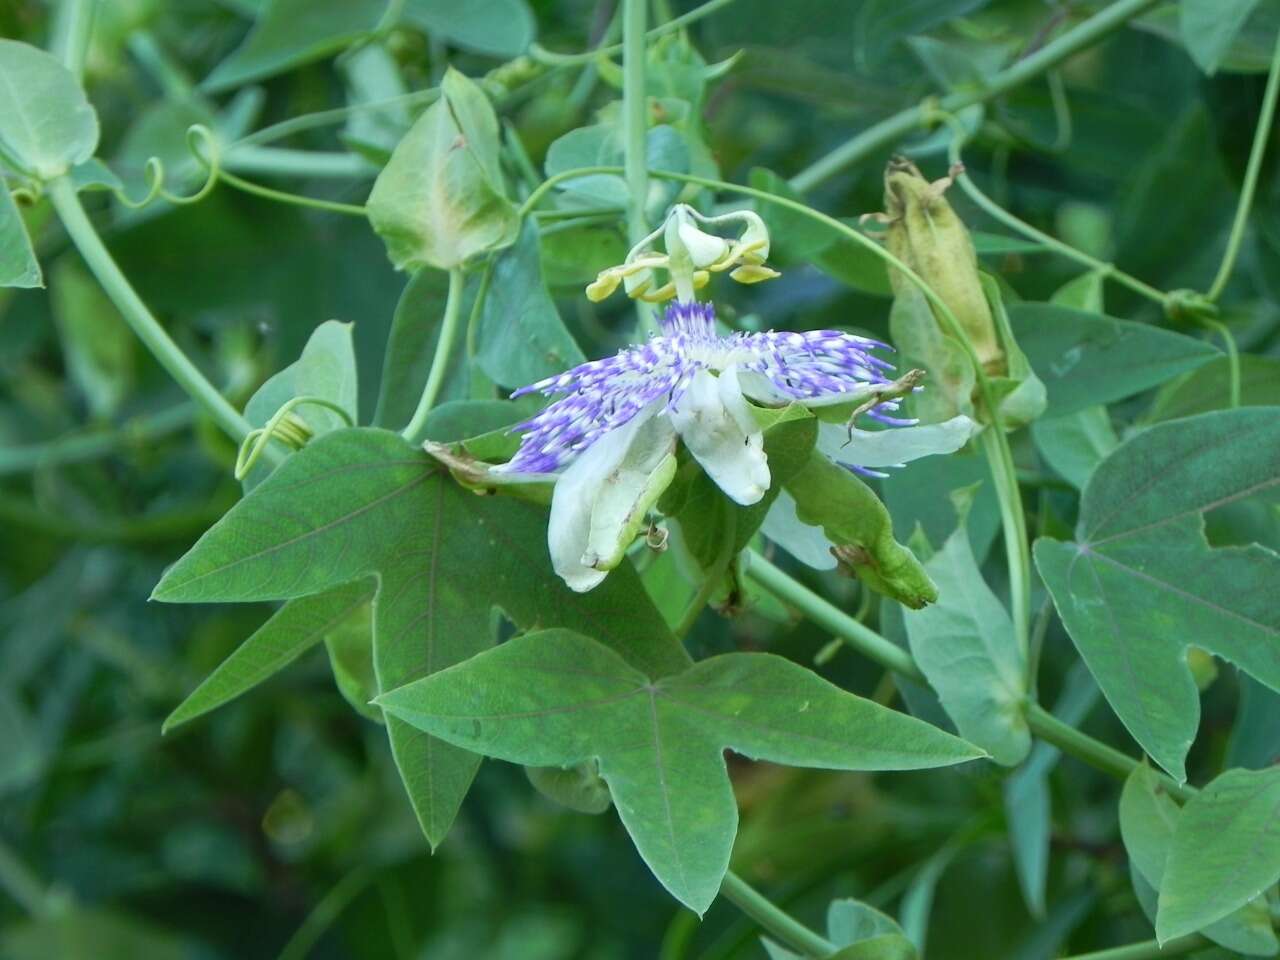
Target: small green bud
{"points": [[925, 233]]}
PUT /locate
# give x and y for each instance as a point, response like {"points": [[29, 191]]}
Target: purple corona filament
{"points": [[602, 395]]}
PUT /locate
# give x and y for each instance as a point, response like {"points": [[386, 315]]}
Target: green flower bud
{"points": [[925, 233]]}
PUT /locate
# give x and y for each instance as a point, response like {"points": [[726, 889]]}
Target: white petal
{"points": [[720, 431], [887, 448], [628, 493], [704, 248], [592, 475], [807, 544]]}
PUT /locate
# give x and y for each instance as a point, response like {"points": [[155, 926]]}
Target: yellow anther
{"points": [[603, 285]]}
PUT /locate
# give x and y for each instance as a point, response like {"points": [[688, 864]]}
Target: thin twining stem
{"points": [[543, 55], [889, 131], [1261, 134]]}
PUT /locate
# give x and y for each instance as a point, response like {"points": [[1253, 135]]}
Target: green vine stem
{"points": [[772, 919], [998, 213], [891, 130], [1247, 190], [281, 427], [440, 359], [81, 447], [888, 654], [67, 204], [1148, 950], [634, 109], [284, 162], [72, 26]]}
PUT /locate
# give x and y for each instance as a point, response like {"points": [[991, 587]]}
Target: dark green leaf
{"points": [[794, 238], [357, 503], [579, 787], [289, 33], [1086, 359], [1209, 388], [98, 347], [292, 630], [556, 698], [1140, 583], [521, 335], [882, 23]]}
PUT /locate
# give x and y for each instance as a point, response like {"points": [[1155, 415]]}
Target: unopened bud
{"points": [[925, 233]]}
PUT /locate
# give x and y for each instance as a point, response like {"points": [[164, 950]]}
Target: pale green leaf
{"points": [[289, 33], [556, 698], [966, 647], [1209, 27], [438, 202], [47, 126], [1076, 443], [500, 28], [18, 264], [1140, 583], [1225, 851]]}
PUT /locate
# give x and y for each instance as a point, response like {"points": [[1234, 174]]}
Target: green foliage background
{"points": [[277, 826]]}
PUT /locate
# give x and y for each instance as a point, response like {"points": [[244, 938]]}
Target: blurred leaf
{"points": [[882, 23], [1075, 444], [289, 33], [555, 698], [522, 338], [356, 503], [574, 256], [90, 934], [1253, 741], [855, 264], [98, 346], [851, 921], [1141, 582], [349, 644], [18, 264], [499, 28], [440, 199], [1210, 26], [415, 331], [964, 643], [601, 145], [831, 497], [1225, 851], [794, 237], [1086, 359], [47, 125], [924, 499], [373, 76], [1209, 388], [292, 630], [1149, 821]]}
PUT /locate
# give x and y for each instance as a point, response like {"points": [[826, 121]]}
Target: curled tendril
{"points": [[199, 138], [285, 427]]}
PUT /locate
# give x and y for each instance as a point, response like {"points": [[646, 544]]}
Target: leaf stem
{"points": [[775, 921], [1013, 524], [830, 617], [284, 162], [1147, 950], [71, 32], [148, 329], [330, 206], [1261, 134], [891, 130], [440, 359]]}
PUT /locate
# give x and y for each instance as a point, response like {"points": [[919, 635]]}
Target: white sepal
{"points": [[888, 448], [717, 426]]}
